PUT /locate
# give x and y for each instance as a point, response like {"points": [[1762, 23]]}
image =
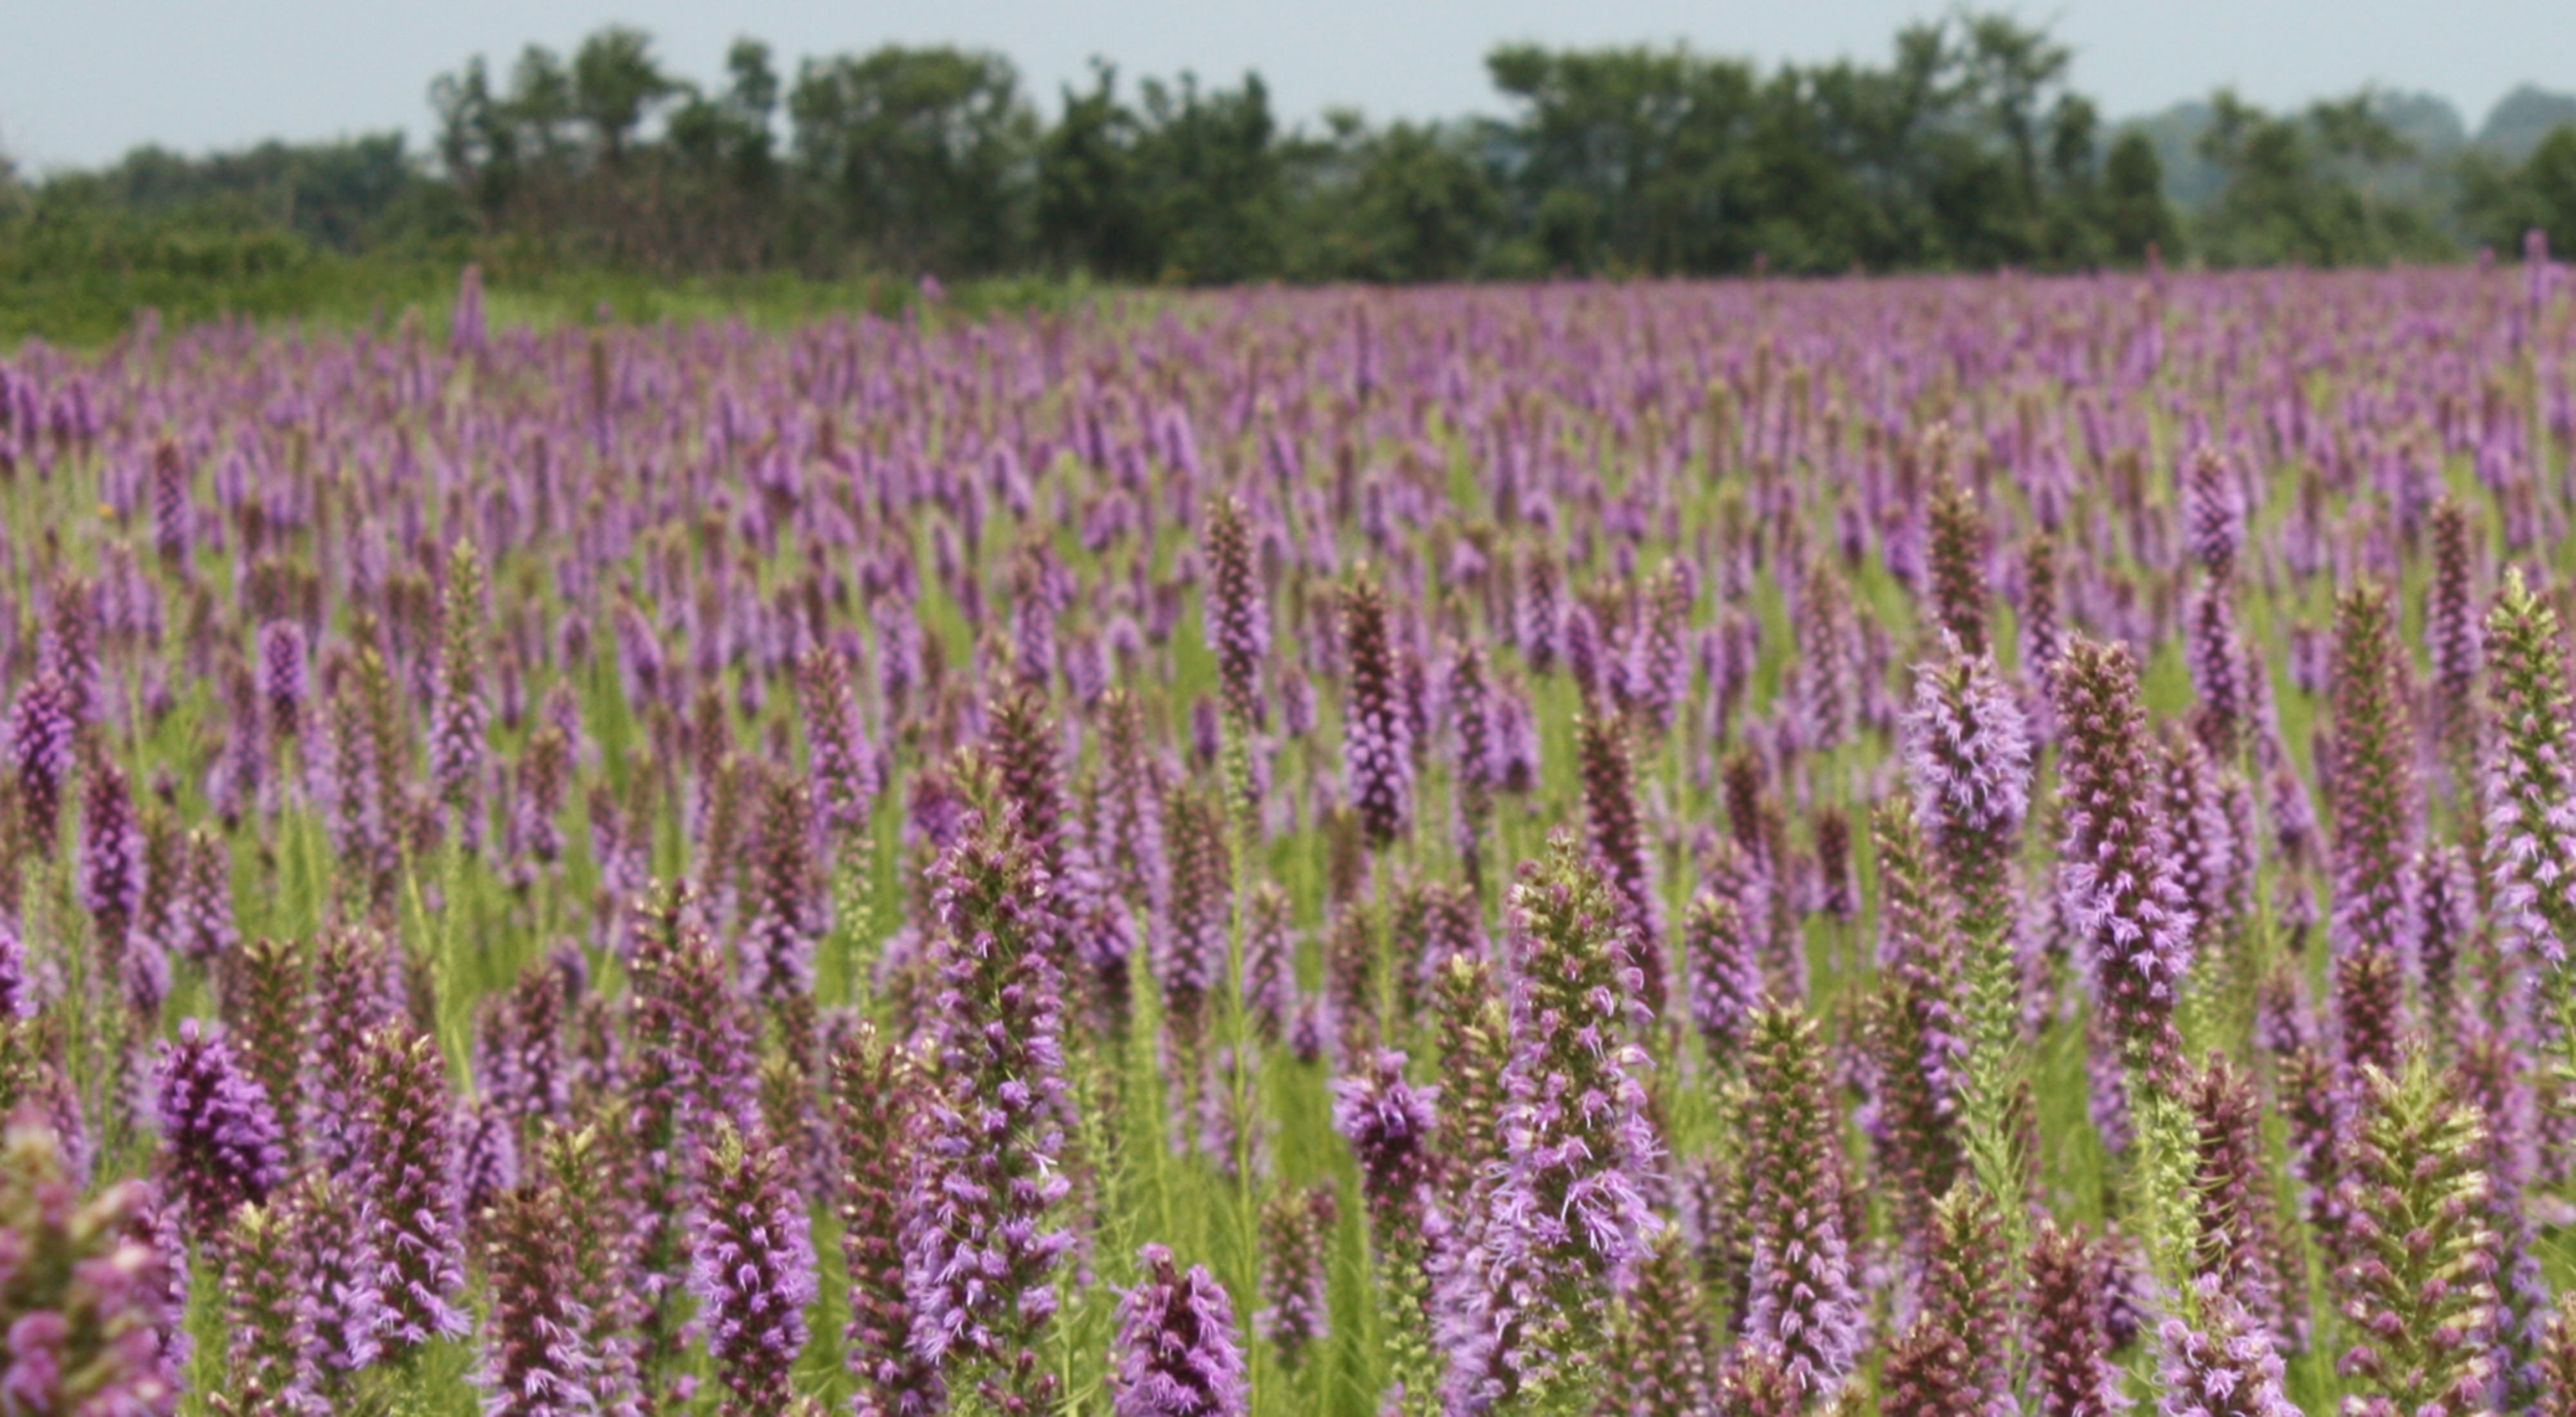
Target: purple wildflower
{"points": [[219, 1135], [1619, 845], [2532, 780], [2419, 1285], [85, 1295], [1238, 623], [2121, 886], [459, 711], [879, 1091], [2219, 1362], [752, 1267], [2374, 823], [1958, 562], [1377, 739], [1968, 754], [269, 1368], [405, 1158], [2070, 1344], [1177, 1351], [1805, 1303], [285, 679], [537, 1361], [1570, 1218], [786, 921], [40, 756], [1296, 1239], [982, 1269]]}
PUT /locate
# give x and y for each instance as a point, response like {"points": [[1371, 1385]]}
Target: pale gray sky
{"points": [[83, 80]]}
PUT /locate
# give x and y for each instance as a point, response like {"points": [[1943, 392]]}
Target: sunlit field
{"points": [[1913, 846]]}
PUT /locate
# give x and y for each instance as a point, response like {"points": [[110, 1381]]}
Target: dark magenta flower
{"points": [[1177, 1353], [537, 1355], [1804, 1304], [1377, 736], [406, 1168], [752, 1269], [219, 1138], [1296, 1240]]}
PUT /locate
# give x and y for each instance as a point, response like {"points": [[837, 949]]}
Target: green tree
{"points": [[615, 85], [2500, 204], [924, 156], [1211, 179], [1412, 204], [2135, 216], [1089, 213]]}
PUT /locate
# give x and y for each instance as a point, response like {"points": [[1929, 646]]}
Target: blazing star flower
{"points": [[1804, 1305], [752, 1270], [405, 1148], [2419, 1287], [1569, 1219], [1968, 753], [87, 1322], [1377, 738], [1618, 842], [2231, 1183], [2531, 838], [1177, 1353], [1951, 1359], [1238, 623], [2121, 885], [537, 1359], [2375, 811], [2459, 650], [879, 1091], [219, 1134], [459, 713], [40, 741], [1958, 562], [269, 1368], [2221, 1363], [2070, 1342], [1296, 1235], [982, 1266]]}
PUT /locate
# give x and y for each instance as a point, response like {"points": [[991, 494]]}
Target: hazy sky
{"points": [[83, 80]]}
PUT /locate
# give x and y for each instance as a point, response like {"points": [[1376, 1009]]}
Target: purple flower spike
{"points": [[1968, 754], [2529, 837], [982, 1271], [1238, 623], [406, 1166], [40, 756], [2220, 1363], [537, 1358], [1296, 1239], [2122, 888], [89, 1324], [752, 1267], [1177, 1354], [2070, 1341], [219, 1135], [1570, 1220], [1377, 736], [1804, 1304]]}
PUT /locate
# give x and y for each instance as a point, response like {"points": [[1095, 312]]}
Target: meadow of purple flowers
{"points": [[1910, 846]]}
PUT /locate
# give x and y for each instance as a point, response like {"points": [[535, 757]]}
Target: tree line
{"points": [[1966, 148]]}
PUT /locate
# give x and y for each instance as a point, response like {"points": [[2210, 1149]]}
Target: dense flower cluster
{"points": [[1593, 850]]}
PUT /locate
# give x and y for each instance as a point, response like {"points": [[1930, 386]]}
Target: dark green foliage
{"points": [[604, 179]]}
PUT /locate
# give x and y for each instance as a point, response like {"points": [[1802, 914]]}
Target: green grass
{"points": [[81, 300]]}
